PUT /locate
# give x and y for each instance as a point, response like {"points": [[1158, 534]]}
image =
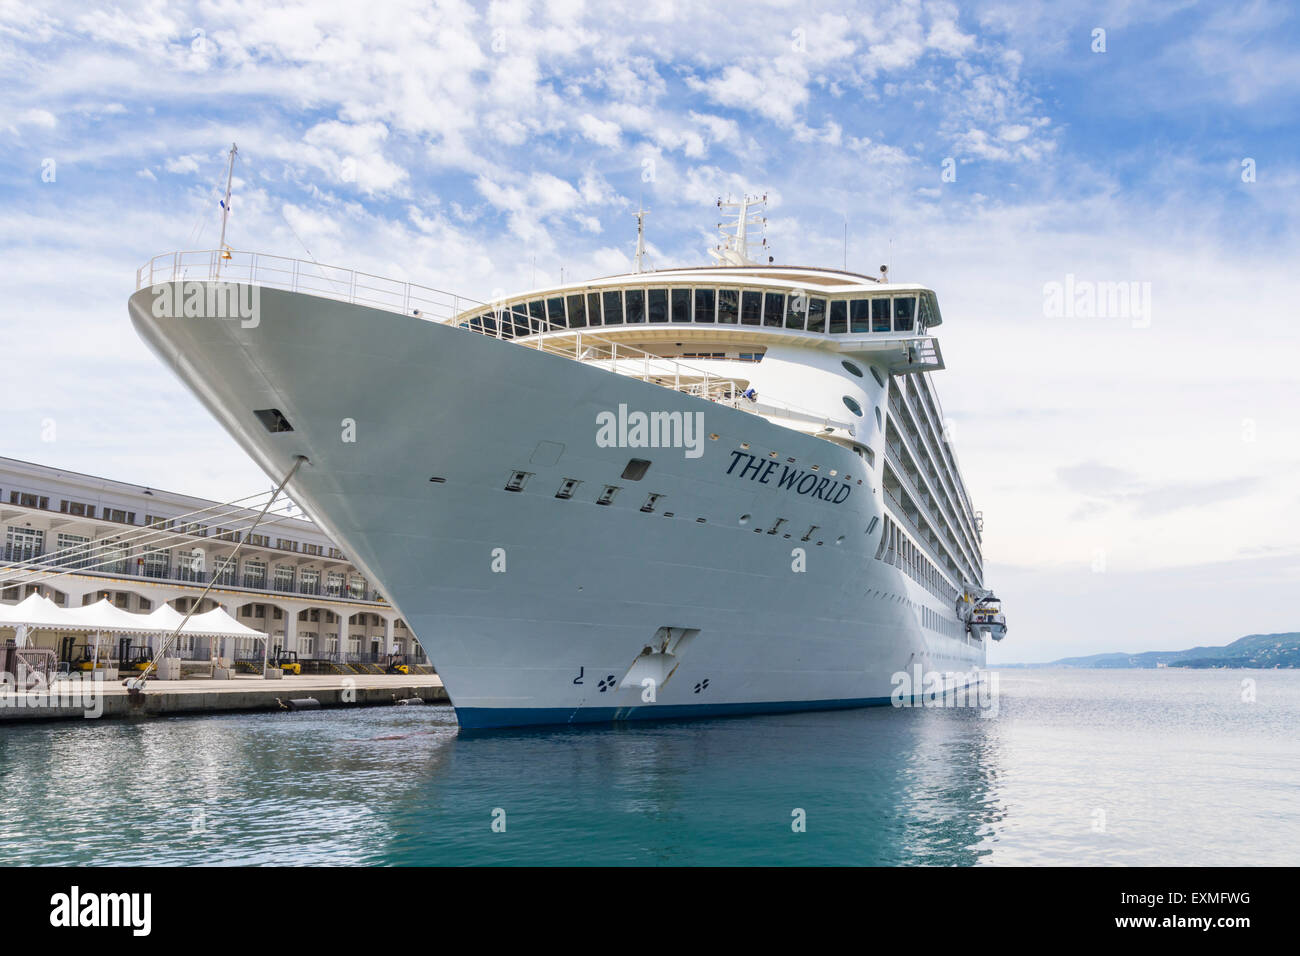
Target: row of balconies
{"points": [[183, 574]]}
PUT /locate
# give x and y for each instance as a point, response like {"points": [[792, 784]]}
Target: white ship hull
{"points": [[585, 587]]}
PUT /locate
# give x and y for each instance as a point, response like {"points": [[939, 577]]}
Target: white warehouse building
{"points": [[78, 539]]}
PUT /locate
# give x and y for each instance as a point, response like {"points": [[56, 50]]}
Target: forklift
{"points": [[132, 660], [287, 661], [397, 664]]}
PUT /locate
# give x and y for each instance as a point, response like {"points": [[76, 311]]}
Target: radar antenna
{"points": [[738, 217]]}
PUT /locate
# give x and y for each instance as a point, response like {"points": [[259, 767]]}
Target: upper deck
{"points": [[822, 308]]}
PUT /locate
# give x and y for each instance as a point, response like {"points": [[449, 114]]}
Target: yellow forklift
{"points": [[287, 661], [397, 664], [132, 660]]}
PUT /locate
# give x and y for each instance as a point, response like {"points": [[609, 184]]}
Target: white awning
{"points": [[40, 612]]}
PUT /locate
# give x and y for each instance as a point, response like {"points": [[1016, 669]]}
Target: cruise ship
{"points": [[707, 490]]}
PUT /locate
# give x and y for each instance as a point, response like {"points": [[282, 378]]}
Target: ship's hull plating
{"points": [[533, 607]]}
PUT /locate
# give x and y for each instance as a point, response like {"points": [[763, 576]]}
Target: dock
{"points": [[91, 699]]}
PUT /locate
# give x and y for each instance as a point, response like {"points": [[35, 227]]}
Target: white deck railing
{"points": [[409, 298]]}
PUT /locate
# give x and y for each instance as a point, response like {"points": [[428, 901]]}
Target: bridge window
{"points": [[704, 302], [555, 312], [537, 313], [773, 307], [816, 315], [860, 315], [728, 306], [577, 312], [635, 305], [879, 315], [519, 318], [681, 301], [751, 308], [926, 316], [613, 308], [796, 310], [593, 308], [839, 316], [657, 305], [904, 313]]}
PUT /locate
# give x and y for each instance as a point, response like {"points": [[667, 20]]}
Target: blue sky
{"points": [[1137, 478]]}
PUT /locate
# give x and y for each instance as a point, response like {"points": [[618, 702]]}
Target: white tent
{"points": [[102, 617]]}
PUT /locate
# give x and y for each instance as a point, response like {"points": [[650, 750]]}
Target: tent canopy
{"points": [[37, 611]]}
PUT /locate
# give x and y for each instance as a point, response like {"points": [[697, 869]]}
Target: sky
{"points": [[1135, 460]]}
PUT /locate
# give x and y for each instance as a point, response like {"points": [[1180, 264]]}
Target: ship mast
{"points": [[225, 208], [734, 248], [640, 239]]}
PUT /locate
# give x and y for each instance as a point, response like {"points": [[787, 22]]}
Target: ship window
{"points": [[852, 369], [517, 480], [875, 373], [567, 487], [751, 308], [796, 310], [728, 306], [773, 306], [489, 323], [613, 308], [904, 313], [577, 312], [839, 316], [657, 305], [635, 305], [923, 320], [636, 469], [879, 423], [860, 315], [704, 300], [681, 305], [607, 496], [516, 321], [593, 308], [555, 312], [649, 505], [816, 315], [879, 315], [852, 406], [537, 313]]}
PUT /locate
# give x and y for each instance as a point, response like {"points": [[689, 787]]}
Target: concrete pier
{"points": [[71, 698]]}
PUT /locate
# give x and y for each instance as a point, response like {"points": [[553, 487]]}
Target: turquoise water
{"points": [[1078, 767]]}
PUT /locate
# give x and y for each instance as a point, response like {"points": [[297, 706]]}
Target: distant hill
{"points": [[1255, 650]]}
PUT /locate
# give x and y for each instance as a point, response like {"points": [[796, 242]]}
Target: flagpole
{"points": [[225, 207]]}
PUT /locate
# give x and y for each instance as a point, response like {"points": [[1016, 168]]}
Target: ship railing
{"points": [[298, 275], [424, 302]]}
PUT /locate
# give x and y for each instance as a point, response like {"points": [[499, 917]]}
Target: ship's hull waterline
{"points": [[532, 607]]}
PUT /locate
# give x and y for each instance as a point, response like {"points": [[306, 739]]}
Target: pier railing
{"points": [[409, 298]]}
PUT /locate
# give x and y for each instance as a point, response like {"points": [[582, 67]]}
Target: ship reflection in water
{"points": [[1133, 767]]}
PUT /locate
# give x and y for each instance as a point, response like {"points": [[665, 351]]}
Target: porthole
{"points": [[852, 369], [879, 423], [875, 373], [852, 406], [744, 520]]}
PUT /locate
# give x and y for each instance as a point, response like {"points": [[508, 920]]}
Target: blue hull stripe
{"points": [[480, 718]]}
